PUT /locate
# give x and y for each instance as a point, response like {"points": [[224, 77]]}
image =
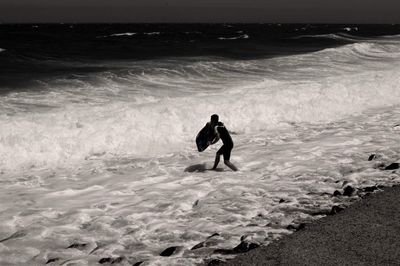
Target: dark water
{"points": [[33, 51], [149, 41], [143, 41]]}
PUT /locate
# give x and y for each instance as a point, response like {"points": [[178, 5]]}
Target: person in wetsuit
{"points": [[219, 131]]}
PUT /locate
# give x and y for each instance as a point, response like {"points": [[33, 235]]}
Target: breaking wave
{"points": [[159, 110]]}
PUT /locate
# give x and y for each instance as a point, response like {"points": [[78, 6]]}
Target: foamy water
{"points": [[108, 161]]}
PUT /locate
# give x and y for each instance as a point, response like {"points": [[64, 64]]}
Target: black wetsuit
{"points": [[224, 135]]}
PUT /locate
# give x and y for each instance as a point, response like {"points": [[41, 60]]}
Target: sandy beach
{"points": [[366, 233]]}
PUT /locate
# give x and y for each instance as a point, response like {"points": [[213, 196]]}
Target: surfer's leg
{"points": [[219, 152], [216, 162], [230, 165], [227, 156]]}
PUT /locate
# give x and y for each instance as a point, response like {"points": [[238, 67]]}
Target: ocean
{"points": [[98, 162]]}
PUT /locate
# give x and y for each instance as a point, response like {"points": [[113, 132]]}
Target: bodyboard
{"points": [[202, 139]]}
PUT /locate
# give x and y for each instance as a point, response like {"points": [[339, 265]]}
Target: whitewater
{"points": [[104, 165]]}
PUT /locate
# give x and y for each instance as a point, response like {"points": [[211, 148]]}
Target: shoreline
{"points": [[365, 233]]}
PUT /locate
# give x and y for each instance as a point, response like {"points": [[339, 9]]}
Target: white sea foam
{"points": [[124, 34], [334, 36], [243, 36], [153, 33], [75, 133], [351, 29], [137, 208], [119, 34]]}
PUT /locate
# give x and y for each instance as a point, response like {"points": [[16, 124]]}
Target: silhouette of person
{"points": [[218, 131]]}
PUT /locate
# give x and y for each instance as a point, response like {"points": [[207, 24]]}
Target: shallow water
{"points": [[137, 208]]}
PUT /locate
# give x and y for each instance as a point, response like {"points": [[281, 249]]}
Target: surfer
{"points": [[218, 131]]}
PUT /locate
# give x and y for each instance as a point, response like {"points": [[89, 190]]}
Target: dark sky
{"points": [[280, 11]]}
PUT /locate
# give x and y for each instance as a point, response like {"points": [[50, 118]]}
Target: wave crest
{"points": [[76, 133]]}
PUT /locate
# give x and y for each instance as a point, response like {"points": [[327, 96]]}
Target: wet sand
{"points": [[366, 233]]}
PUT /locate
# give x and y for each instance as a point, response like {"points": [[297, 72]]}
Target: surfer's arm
{"points": [[216, 136], [215, 140]]}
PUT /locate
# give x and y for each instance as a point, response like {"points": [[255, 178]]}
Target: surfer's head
{"points": [[214, 119]]}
